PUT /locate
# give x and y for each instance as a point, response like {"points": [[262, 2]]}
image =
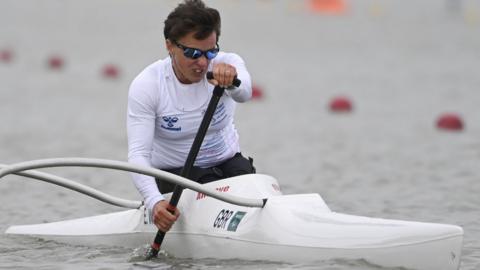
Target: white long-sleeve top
{"points": [[163, 117]]}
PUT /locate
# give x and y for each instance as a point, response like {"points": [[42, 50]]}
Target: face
{"points": [[186, 69]]}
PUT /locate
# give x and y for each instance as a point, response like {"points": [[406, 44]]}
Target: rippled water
{"points": [[402, 63]]}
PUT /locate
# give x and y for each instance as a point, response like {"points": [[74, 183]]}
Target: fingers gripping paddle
{"points": [[192, 155]]}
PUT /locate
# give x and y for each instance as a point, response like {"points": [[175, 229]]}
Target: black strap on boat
{"points": [[192, 155]]}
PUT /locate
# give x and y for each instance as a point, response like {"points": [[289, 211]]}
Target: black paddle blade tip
{"points": [[151, 253]]}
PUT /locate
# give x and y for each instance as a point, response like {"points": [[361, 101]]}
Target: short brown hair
{"points": [[192, 16]]}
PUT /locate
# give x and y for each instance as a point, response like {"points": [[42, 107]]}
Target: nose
{"points": [[202, 61]]}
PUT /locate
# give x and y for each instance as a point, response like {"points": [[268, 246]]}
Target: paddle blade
{"points": [[144, 253], [152, 252]]}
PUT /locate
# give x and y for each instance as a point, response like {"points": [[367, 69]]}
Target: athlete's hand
{"points": [[162, 218], [223, 75]]}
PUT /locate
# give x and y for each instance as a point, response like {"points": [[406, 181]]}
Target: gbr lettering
{"points": [[222, 218]]}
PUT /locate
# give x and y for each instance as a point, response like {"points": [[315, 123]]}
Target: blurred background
{"points": [[373, 104]]}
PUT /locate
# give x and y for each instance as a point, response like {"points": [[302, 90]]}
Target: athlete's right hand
{"points": [[162, 218]]}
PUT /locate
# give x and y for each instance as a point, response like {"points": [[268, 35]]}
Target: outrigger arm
{"points": [[89, 191], [24, 169]]}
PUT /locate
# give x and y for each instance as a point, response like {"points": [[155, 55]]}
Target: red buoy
{"points": [[55, 62], [340, 104], [6, 56], [335, 7], [257, 92], [110, 71], [450, 121]]}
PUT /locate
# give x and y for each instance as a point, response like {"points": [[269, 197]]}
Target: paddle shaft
{"points": [[192, 155]]}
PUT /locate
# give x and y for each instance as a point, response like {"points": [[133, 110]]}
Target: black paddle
{"points": [[192, 155]]}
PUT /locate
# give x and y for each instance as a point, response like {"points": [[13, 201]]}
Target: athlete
{"points": [[168, 99]]}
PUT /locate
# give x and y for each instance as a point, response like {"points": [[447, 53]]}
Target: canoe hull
{"points": [[447, 252], [290, 228], [441, 254]]}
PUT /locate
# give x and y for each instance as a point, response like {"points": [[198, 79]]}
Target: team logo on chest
{"points": [[170, 122]]}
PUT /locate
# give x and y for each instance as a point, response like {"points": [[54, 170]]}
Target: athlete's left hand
{"points": [[223, 75]]}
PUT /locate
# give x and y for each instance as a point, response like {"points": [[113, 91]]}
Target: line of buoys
{"points": [[57, 62], [340, 104], [450, 122], [446, 121], [6, 55]]}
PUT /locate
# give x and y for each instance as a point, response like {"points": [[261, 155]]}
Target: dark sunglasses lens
{"points": [[211, 54], [191, 53], [197, 54]]}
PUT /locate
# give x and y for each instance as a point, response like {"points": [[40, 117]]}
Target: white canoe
{"points": [[289, 228]]}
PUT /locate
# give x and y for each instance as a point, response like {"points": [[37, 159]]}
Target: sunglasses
{"points": [[194, 53]]}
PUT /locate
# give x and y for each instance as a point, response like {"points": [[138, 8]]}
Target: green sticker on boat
{"points": [[232, 226]]}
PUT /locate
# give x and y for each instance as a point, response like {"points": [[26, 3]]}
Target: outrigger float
{"points": [[246, 217]]}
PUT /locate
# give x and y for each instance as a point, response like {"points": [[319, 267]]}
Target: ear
{"points": [[169, 45]]}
